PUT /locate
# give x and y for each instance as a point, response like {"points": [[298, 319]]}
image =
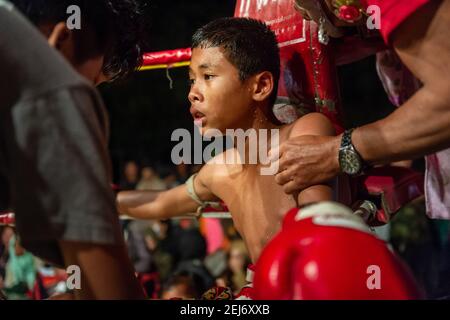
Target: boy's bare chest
{"points": [[257, 205], [254, 200]]}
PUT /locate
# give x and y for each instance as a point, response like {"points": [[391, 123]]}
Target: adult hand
{"points": [[305, 161]]}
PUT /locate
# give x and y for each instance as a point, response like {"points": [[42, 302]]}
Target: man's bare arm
{"points": [[106, 271], [419, 127], [422, 125]]}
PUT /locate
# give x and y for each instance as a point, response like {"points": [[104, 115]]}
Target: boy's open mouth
{"points": [[199, 118]]}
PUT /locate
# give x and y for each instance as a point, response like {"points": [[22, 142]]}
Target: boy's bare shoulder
{"points": [[311, 124], [222, 166]]}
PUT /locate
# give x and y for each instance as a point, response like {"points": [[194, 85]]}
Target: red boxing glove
{"points": [[325, 252]]}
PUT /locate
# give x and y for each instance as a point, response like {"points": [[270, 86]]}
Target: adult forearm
{"points": [[419, 127]]}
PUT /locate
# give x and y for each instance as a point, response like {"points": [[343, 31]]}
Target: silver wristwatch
{"points": [[350, 161]]}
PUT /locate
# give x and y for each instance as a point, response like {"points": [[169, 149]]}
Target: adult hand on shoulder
{"points": [[305, 161]]}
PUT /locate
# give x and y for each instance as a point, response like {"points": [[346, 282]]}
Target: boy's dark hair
{"points": [[249, 45], [114, 28]]}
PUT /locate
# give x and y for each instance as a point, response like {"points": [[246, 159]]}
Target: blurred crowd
{"points": [[24, 276], [183, 258]]}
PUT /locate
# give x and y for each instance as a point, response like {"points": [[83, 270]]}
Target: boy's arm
{"points": [[165, 204], [319, 125]]}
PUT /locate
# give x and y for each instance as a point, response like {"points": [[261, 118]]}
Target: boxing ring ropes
{"points": [[309, 80], [365, 210], [173, 59], [394, 186]]}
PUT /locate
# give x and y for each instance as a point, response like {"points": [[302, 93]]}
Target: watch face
{"points": [[350, 162]]}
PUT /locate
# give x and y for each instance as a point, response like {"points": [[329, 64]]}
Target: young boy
{"points": [[234, 75]]}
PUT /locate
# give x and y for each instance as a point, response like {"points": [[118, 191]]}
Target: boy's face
{"points": [[219, 99]]}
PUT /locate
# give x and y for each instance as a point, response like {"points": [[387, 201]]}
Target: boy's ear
{"points": [[263, 86], [62, 40]]}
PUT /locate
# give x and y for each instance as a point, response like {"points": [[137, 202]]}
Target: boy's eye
{"points": [[191, 82], [208, 76]]}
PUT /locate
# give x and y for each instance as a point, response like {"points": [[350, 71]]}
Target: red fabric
{"points": [[49, 281], [7, 218], [396, 186], [166, 57], [394, 12], [246, 293], [393, 187], [150, 277], [308, 79]]}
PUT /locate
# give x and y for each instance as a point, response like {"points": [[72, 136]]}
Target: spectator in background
{"points": [[150, 180], [6, 234], [191, 243], [180, 286], [177, 175], [3, 254], [238, 260], [191, 247], [131, 176], [163, 261], [142, 257], [171, 181], [21, 272], [182, 172], [139, 254]]}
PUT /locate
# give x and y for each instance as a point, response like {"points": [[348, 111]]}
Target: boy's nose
{"points": [[194, 96]]}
